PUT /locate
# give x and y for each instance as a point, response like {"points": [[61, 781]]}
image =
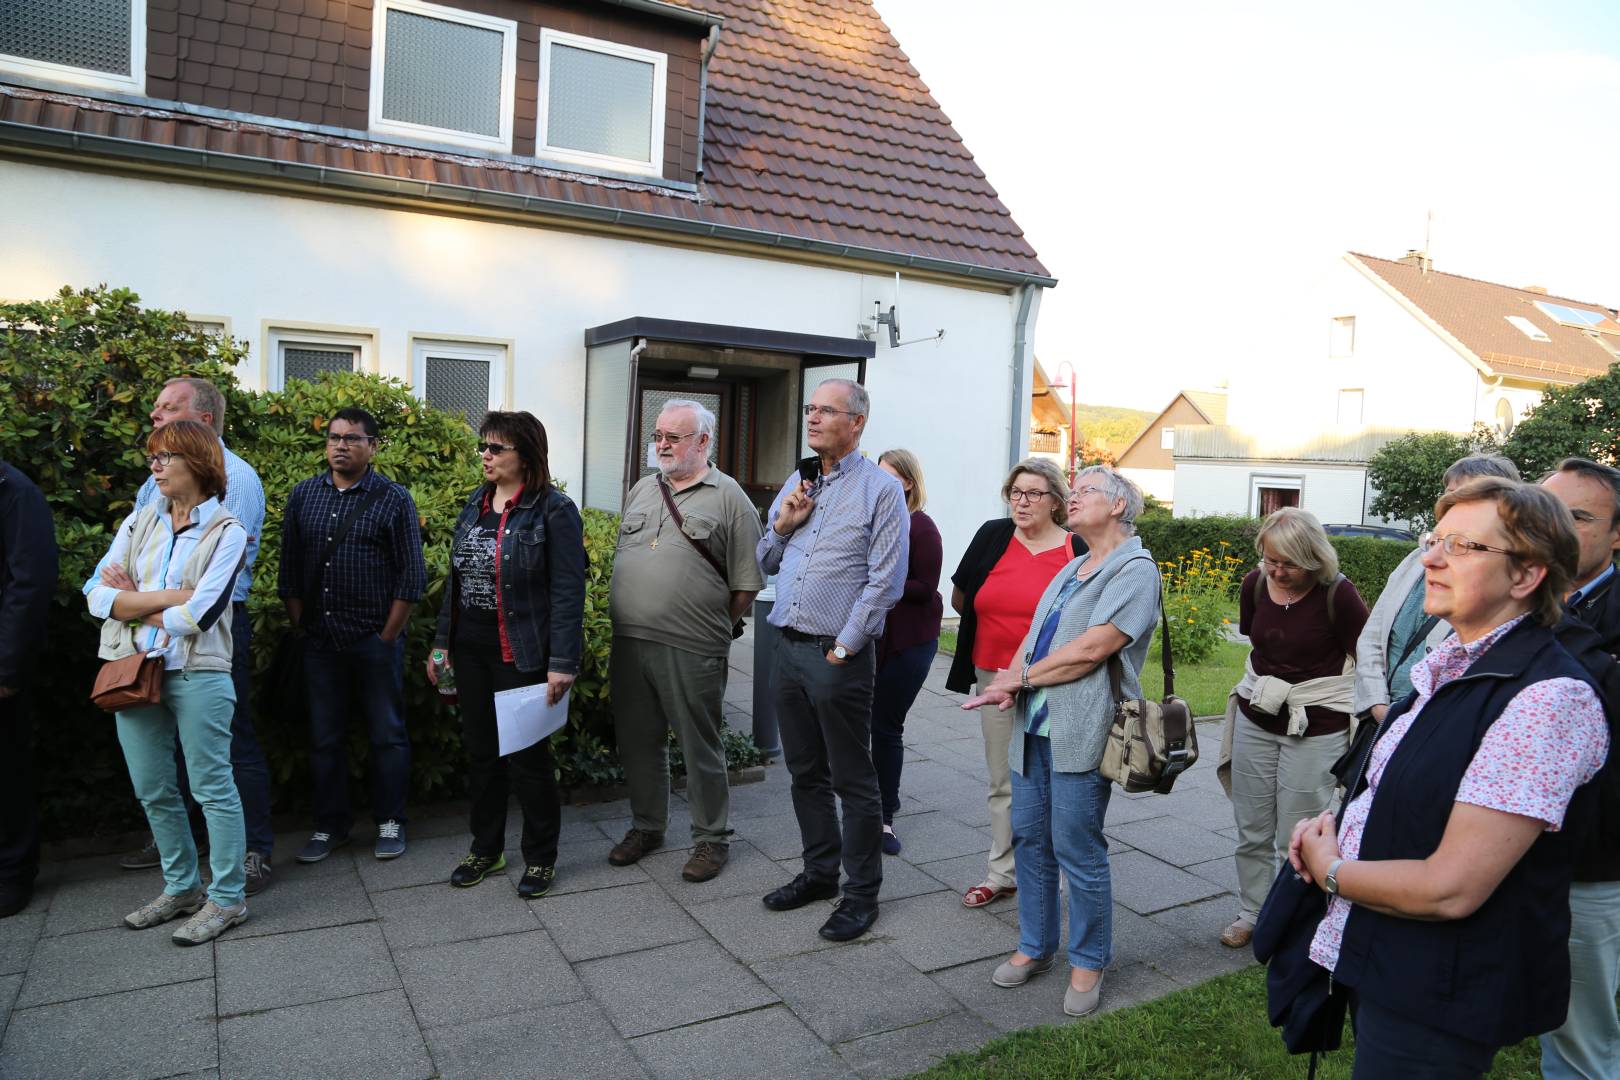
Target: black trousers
{"points": [[1390, 1043], [19, 813], [530, 774]]}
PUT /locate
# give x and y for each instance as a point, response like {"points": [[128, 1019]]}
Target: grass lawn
{"points": [[1205, 685], [1217, 1030], [947, 641]]}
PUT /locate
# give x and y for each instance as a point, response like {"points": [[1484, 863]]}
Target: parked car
{"points": [[1373, 532]]}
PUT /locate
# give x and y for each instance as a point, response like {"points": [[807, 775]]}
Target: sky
{"points": [[1185, 167]]}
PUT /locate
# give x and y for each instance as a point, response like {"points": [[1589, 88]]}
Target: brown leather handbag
{"points": [[1151, 742], [134, 681]]}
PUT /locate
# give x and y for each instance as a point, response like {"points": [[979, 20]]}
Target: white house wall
{"points": [[1333, 493], [1159, 483], [259, 260]]}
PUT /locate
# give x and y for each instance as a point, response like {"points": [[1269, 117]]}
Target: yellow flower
{"points": [[1226, 622], [1189, 620]]}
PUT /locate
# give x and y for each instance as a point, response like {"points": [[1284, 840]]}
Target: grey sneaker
{"points": [[258, 869], [390, 840], [163, 909], [144, 859], [209, 923]]}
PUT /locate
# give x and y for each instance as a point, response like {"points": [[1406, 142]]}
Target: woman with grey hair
{"points": [[1100, 607], [1288, 720], [1398, 633], [1002, 574]]}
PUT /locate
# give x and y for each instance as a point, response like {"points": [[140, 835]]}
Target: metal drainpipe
{"points": [[703, 93], [1020, 408]]}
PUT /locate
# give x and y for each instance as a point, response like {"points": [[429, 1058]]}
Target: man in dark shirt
{"points": [[1588, 1045], [351, 570], [27, 576]]}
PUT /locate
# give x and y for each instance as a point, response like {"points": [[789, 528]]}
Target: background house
{"points": [[1051, 431], [578, 208], [1149, 459], [1393, 346]]}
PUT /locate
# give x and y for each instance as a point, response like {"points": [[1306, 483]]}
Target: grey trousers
{"points": [[825, 712], [657, 688]]}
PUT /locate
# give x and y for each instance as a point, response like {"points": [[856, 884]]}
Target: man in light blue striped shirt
{"points": [[838, 547]]}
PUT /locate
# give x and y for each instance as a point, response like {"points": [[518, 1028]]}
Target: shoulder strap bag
{"points": [[1151, 742], [700, 547]]}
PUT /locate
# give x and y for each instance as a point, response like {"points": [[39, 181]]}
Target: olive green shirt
{"points": [[663, 590]]}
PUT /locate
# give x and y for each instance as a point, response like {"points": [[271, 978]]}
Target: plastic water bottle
{"points": [[444, 676]]}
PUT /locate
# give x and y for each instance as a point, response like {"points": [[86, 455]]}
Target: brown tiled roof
{"points": [[1475, 313], [817, 127]]}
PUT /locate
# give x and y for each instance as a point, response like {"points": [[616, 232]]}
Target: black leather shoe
{"points": [[799, 892], [851, 919]]}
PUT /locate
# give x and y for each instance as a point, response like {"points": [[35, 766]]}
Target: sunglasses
{"points": [[494, 449]]}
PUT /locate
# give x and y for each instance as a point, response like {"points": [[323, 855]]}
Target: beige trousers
{"points": [[998, 729]]}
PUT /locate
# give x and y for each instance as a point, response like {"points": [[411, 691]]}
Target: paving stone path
{"points": [[355, 968]]}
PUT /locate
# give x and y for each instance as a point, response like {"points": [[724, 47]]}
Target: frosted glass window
{"points": [[442, 74], [458, 386], [602, 103], [89, 34], [307, 362]]}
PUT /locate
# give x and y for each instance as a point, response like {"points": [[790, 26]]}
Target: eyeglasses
{"points": [[670, 436], [494, 449], [1026, 495], [1280, 566], [1455, 544], [162, 458], [826, 410], [334, 439], [1080, 493]]}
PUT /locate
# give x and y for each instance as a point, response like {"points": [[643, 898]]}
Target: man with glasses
{"points": [[200, 400], [684, 572], [351, 571], [838, 544]]}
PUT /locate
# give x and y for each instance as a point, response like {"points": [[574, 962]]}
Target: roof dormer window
{"points": [[443, 75], [601, 103], [89, 43]]}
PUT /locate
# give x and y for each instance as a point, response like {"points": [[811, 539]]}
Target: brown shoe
{"points": [[708, 858], [636, 843], [1237, 935]]}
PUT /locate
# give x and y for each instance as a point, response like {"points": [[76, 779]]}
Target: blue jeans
{"points": [[197, 708], [898, 682], [1057, 821], [365, 680], [1587, 1047], [248, 765]]}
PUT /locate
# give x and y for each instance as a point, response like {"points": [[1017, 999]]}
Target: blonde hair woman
{"points": [[1288, 721]]}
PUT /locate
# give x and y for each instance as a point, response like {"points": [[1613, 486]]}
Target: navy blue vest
{"points": [[1502, 973]]}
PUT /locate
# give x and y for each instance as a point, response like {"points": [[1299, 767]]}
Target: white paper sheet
{"points": [[523, 718]]}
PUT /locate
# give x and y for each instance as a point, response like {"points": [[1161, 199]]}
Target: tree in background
{"points": [[1581, 420], [1408, 472]]}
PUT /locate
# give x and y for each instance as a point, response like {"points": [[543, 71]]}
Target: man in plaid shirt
{"points": [[349, 588]]}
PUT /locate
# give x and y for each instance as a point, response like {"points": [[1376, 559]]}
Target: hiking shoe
{"points": [[636, 843], [209, 923], [257, 868], [891, 842], [320, 846], [390, 840], [474, 868], [536, 881], [163, 909], [144, 859], [708, 859]]}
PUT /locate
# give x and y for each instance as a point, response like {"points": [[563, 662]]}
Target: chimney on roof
{"points": [[1419, 259], [1538, 289]]}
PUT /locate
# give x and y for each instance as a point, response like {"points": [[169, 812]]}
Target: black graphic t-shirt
{"points": [[474, 563]]}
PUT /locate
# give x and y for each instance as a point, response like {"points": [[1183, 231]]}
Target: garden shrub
{"points": [[1368, 561], [1173, 540], [1197, 592]]}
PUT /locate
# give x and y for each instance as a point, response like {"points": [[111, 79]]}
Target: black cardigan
{"points": [[988, 546]]}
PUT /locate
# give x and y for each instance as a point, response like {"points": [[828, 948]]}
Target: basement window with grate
{"points": [[601, 103], [466, 378], [443, 75], [303, 354], [96, 44]]}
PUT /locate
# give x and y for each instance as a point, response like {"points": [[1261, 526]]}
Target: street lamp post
{"points": [[1074, 425]]}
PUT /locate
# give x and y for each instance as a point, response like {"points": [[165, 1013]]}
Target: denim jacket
{"points": [[542, 573]]}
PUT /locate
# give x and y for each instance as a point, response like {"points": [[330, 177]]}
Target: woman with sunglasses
{"points": [[1288, 721], [1448, 880], [183, 551], [512, 615]]}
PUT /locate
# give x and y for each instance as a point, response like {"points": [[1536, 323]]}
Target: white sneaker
{"points": [[209, 923]]}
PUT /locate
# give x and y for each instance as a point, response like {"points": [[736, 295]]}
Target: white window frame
{"points": [[660, 63], [1342, 326], [508, 30], [457, 349], [1360, 399], [1295, 482], [133, 83], [281, 336], [1167, 438]]}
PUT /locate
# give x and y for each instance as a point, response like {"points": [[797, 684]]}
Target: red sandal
{"points": [[980, 895]]}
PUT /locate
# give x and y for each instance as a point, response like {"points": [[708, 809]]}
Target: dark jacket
{"points": [[988, 546], [27, 574], [542, 572], [1591, 633], [1502, 973]]}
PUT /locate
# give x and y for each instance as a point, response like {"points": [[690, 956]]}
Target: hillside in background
{"points": [[1111, 427]]}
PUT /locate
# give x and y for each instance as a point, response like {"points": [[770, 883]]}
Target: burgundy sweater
{"points": [[915, 618], [1298, 643]]}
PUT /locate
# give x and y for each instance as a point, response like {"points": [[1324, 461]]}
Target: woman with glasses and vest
{"points": [[512, 616], [1001, 577], [1288, 721], [1448, 917], [182, 552]]}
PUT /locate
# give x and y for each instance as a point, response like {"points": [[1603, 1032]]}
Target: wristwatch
{"points": [[839, 652], [1330, 880], [1023, 680]]}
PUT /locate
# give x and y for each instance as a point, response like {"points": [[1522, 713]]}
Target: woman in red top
{"points": [[995, 589], [1289, 719]]}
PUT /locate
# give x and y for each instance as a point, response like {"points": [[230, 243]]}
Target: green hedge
{"points": [[82, 369]]}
